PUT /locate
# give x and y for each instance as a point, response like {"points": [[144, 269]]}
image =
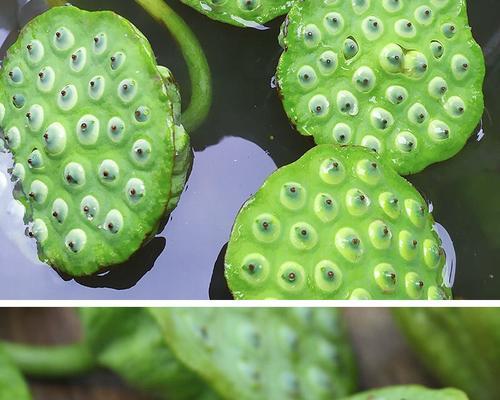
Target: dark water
{"points": [[245, 137]]}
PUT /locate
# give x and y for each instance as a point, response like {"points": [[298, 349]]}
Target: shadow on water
{"points": [[126, 275]]}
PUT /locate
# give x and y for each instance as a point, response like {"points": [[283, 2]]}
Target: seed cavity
{"points": [[319, 105], [312, 35], [327, 276], [100, 43], [54, 138], [18, 100], [392, 58], [113, 222], [325, 207], [334, 23], [364, 79], [46, 79], [75, 241], [63, 39], [38, 192], [357, 202], [405, 28], [74, 174], [109, 171], [332, 171], [67, 97], [141, 151], [293, 195], [35, 159], [385, 277], [142, 114], [349, 244], [266, 228], [13, 138], [59, 211], [16, 76], [291, 276], [89, 207], [34, 51], [327, 63], [116, 129], [350, 48], [255, 268], [396, 94], [372, 27], [380, 235], [87, 130], [117, 60], [39, 231], [78, 59], [406, 142], [303, 236], [347, 103], [342, 133], [127, 89], [135, 190], [96, 87]]}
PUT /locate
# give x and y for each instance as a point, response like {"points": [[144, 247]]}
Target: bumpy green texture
{"points": [[254, 354], [12, 384], [338, 223], [461, 346], [243, 13], [410, 393], [401, 77], [130, 342], [93, 124]]}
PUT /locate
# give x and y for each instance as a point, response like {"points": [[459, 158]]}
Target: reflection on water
{"points": [[245, 137]]}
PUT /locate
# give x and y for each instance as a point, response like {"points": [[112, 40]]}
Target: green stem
{"points": [[50, 361], [197, 64]]}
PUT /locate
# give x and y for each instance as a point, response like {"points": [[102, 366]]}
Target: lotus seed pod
{"points": [[93, 129], [403, 78], [459, 334], [412, 392], [263, 353], [339, 223], [243, 13], [123, 337]]}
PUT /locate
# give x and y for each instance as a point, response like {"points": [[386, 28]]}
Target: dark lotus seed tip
{"points": [[139, 151], [11, 74], [29, 47], [71, 245], [342, 138], [125, 86], [421, 116], [31, 194], [69, 178], [92, 83], [105, 173], [137, 113], [40, 74], [452, 28], [113, 128], [318, 108], [440, 47], [446, 132], [393, 276], [424, 66], [309, 34], [408, 24], [355, 241], [386, 231], [306, 77], [110, 226], [63, 93], [335, 165], [46, 136], [414, 243], [58, 34], [291, 276], [73, 57], [293, 189], [30, 161], [83, 126], [375, 24], [410, 144], [251, 267], [396, 58], [30, 234], [96, 39], [303, 232], [265, 225], [427, 12], [86, 209], [362, 197], [54, 214], [28, 115], [329, 202], [132, 192], [420, 283], [374, 165], [348, 105], [465, 65], [113, 59], [400, 98], [330, 274], [328, 61]]}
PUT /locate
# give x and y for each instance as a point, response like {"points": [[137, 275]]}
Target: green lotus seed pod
{"points": [[94, 129], [339, 223], [263, 353], [444, 338], [243, 13], [413, 392], [12, 384], [130, 342], [403, 78]]}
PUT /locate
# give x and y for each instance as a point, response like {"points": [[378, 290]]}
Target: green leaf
{"points": [[12, 384]]}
